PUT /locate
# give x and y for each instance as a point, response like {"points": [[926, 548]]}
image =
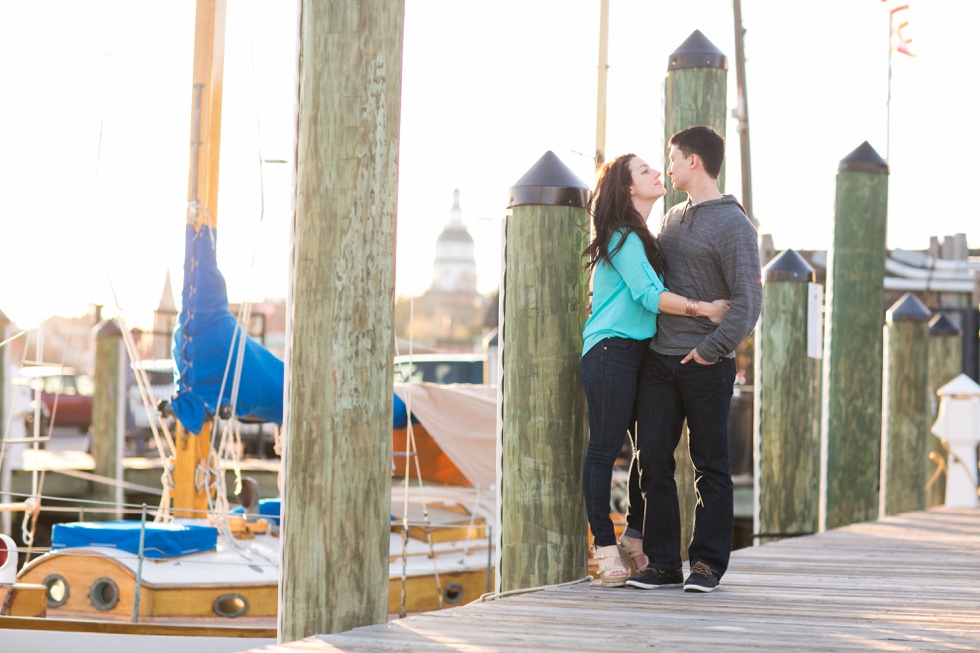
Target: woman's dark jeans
{"points": [[668, 393], [609, 374]]}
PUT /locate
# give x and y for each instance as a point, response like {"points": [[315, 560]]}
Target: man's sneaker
{"points": [[651, 578], [702, 579]]}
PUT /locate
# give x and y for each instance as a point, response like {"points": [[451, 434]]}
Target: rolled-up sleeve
{"points": [[642, 280]]}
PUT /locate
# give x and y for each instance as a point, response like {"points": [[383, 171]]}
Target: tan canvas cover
{"points": [[462, 419]]}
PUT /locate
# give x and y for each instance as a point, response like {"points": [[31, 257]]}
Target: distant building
{"points": [[450, 315], [454, 269], [164, 321]]}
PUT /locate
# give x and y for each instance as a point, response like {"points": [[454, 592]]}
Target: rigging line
{"points": [[143, 385], [105, 480], [12, 338], [10, 413], [29, 526], [246, 307], [142, 382], [61, 375], [258, 116]]}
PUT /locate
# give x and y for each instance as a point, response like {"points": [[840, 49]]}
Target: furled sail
{"points": [[206, 347]]}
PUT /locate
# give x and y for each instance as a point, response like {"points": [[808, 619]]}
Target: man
{"points": [[689, 369]]}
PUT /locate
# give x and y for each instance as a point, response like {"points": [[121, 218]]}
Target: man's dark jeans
{"points": [[667, 394], [609, 372]]}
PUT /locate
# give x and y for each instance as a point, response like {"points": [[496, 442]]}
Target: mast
{"points": [[600, 114], [202, 209], [741, 112]]}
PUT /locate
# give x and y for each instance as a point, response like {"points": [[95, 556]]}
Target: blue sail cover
{"points": [[159, 540], [206, 334]]}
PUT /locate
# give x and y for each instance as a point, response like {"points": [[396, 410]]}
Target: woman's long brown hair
{"points": [[612, 211]]}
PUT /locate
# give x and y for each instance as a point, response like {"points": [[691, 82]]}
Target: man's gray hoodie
{"points": [[712, 253]]}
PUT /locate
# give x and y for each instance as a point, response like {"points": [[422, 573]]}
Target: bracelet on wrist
{"points": [[692, 307]]}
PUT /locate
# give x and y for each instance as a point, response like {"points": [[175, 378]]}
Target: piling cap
{"points": [[697, 52], [108, 329], [788, 266], [863, 159], [549, 182], [962, 386], [908, 309], [941, 325]]}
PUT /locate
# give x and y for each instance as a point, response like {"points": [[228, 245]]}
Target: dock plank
{"points": [[904, 583]]}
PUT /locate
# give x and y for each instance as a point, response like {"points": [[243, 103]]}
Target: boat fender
{"points": [[8, 560]]}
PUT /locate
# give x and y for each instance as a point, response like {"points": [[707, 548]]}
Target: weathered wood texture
{"points": [[693, 96], [852, 363], [905, 421], [337, 456], [945, 364], [787, 444], [841, 591], [108, 414], [543, 436]]}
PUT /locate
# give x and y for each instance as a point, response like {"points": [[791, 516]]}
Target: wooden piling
{"points": [[852, 363], [905, 417], [337, 454], [945, 364], [109, 414], [695, 93], [787, 444], [543, 532]]}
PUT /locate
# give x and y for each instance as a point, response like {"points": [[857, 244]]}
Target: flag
{"points": [[900, 40]]}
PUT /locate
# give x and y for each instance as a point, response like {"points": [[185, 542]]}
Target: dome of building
{"points": [[454, 268]]}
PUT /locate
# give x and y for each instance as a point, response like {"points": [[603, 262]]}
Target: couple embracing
{"points": [[653, 358]]}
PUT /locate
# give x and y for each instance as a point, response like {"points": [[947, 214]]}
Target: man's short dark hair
{"points": [[704, 141]]}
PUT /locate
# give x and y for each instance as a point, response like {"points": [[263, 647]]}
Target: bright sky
{"points": [[96, 124]]}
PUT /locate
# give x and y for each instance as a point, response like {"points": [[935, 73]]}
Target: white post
{"points": [[958, 425]]}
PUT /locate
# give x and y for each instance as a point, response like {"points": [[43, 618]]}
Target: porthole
{"points": [[57, 593], [230, 606], [103, 594], [453, 593]]}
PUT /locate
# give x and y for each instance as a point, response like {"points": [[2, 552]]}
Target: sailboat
{"points": [[208, 574]]}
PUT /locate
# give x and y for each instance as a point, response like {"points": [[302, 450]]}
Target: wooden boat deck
{"points": [[904, 583]]}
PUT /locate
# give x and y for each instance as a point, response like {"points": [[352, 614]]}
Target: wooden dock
{"points": [[904, 583]]}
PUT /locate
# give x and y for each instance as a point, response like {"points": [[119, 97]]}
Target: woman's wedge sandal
{"points": [[612, 572], [631, 552]]}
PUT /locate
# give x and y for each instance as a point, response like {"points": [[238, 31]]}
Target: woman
{"points": [[627, 293]]}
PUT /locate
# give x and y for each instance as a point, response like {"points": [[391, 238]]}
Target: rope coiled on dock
{"points": [[490, 596]]}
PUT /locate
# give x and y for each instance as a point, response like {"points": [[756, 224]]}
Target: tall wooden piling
{"points": [[337, 454], [945, 364], [787, 442], [852, 364], [695, 93], [109, 414], [543, 531], [905, 420]]}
